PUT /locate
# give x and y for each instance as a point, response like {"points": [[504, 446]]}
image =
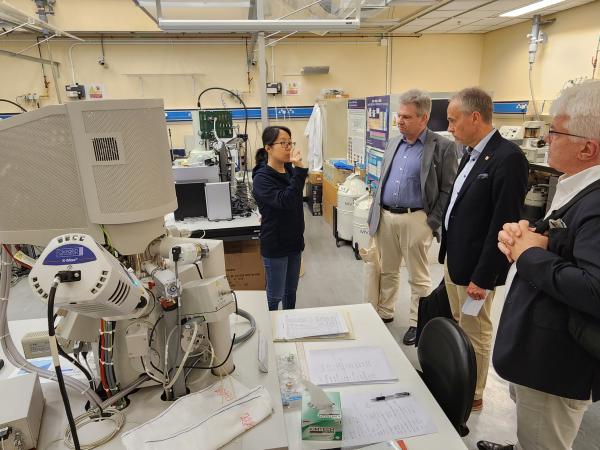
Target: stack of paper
{"points": [[297, 325], [366, 421], [353, 365]]}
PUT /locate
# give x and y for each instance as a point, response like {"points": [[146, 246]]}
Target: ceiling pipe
{"points": [[264, 25]]}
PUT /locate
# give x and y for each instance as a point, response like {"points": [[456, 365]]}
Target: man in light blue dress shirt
{"points": [[416, 178]]}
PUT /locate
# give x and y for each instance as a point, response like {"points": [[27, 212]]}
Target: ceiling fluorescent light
{"points": [[249, 26], [530, 8]]}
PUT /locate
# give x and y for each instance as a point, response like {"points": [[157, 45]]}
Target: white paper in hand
{"points": [[472, 307]]}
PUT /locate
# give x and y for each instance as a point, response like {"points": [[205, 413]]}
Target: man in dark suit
{"points": [[416, 176], [488, 191], [557, 276]]}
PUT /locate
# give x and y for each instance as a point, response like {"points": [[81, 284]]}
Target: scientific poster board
{"points": [[357, 128], [378, 114]]}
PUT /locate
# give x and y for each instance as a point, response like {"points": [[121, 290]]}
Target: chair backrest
{"points": [[449, 369]]}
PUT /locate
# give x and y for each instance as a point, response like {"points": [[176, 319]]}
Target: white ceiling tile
{"points": [[425, 22], [407, 29], [442, 27], [503, 5], [439, 14], [493, 21], [477, 14]]}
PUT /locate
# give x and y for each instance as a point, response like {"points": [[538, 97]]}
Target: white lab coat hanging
{"points": [[314, 133]]}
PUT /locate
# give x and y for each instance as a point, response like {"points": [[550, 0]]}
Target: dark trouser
{"points": [[282, 280]]}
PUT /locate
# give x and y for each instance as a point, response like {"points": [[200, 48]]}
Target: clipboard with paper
{"points": [[289, 326]]}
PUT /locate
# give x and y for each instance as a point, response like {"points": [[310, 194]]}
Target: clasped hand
{"points": [[515, 238]]}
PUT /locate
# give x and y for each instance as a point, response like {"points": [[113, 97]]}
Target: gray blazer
{"points": [[438, 170]]}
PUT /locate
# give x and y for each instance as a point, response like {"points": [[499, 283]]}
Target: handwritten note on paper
{"points": [[348, 365], [367, 422], [301, 325]]}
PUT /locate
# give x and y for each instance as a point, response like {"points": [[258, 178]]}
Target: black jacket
{"points": [[279, 200], [533, 345], [492, 195]]}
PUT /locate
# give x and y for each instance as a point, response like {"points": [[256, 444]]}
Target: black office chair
{"points": [[449, 369]]}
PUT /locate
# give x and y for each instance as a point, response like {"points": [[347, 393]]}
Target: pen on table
{"points": [[388, 397]]}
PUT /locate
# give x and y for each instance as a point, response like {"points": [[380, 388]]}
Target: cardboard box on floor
{"points": [[329, 201], [243, 265], [333, 175], [332, 178], [315, 177]]}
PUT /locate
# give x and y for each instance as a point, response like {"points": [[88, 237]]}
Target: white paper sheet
{"points": [[299, 325], [368, 422], [472, 307], [352, 365]]}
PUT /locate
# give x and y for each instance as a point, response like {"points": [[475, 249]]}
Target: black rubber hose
{"points": [[59, 374], [13, 103]]}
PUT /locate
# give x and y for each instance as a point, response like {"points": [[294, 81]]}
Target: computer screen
{"points": [[438, 120]]}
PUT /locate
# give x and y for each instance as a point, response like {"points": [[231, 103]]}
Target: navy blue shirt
{"points": [[402, 187], [279, 200]]}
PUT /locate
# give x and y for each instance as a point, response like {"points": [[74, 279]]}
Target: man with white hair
{"points": [[416, 178], [554, 299]]}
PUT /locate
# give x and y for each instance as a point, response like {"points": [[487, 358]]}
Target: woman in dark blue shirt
{"points": [[278, 185]]}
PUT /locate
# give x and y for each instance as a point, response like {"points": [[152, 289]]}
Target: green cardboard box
{"points": [[322, 427]]}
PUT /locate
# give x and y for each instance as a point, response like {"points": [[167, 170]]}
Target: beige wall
{"points": [[149, 70], [572, 41], [497, 61], [437, 63]]}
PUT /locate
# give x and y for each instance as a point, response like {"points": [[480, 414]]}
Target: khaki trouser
{"points": [[479, 329], [403, 236], [546, 421]]}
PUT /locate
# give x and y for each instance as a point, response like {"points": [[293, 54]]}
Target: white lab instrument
{"points": [[75, 167], [21, 412], [514, 133], [349, 191], [360, 226], [534, 147], [196, 174], [218, 201], [87, 175], [105, 290]]}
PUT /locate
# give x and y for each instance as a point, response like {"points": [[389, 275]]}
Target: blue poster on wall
{"points": [[378, 113]]}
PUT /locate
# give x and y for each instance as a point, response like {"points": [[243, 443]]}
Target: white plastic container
{"points": [[349, 191], [360, 227]]}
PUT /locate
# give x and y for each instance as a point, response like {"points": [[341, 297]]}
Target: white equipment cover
{"points": [[372, 272], [207, 419]]}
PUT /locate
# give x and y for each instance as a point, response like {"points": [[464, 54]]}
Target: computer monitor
{"points": [[438, 119]]}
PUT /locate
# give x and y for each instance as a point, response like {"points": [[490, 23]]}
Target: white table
{"points": [[370, 331], [239, 228], [146, 404]]}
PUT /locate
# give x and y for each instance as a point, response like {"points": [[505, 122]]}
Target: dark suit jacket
{"points": [[533, 345], [492, 195]]}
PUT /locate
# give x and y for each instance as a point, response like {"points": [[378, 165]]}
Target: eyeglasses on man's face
{"points": [[553, 133]]}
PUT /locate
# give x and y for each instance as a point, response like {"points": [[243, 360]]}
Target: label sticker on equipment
{"points": [[69, 254]]}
